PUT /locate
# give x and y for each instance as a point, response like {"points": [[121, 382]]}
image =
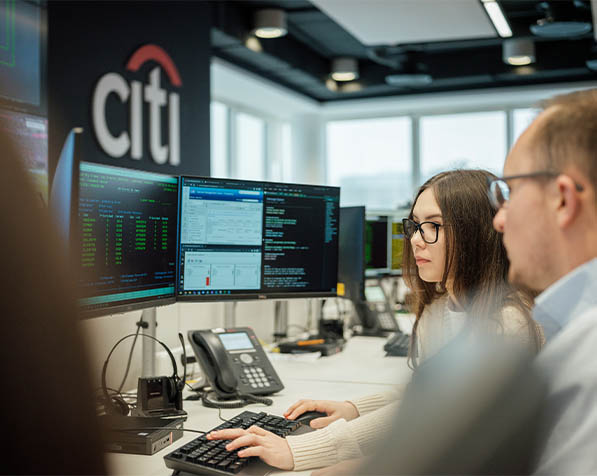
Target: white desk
{"points": [[361, 369]]}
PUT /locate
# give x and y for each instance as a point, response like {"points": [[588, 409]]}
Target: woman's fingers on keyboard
{"points": [[248, 439], [229, 434]]}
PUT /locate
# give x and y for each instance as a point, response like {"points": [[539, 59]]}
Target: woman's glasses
{"points": [[429, 230]]}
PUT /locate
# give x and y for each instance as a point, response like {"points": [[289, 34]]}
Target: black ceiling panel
{"points": [[301, 60]]}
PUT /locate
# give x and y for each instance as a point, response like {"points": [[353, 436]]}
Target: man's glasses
{"points": [[499, 190], [429, 230]]}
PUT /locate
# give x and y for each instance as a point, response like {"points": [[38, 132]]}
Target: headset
{"points": [[174, 385]]}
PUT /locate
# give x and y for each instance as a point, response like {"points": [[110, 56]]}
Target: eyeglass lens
{"points": [[500, 193], [428, 230]]}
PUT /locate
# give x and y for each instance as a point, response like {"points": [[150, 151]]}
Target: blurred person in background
{"points": [[47, 402]]}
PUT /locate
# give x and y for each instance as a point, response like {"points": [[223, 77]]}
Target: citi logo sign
{"points": [[133, 95]]}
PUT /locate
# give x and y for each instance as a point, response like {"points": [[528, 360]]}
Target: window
{"points": [[250, 147], [471, 140], [219, 140], [370, 160], [521, 119]]}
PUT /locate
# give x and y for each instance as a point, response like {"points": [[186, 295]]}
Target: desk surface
{"points": [[361, 369]]}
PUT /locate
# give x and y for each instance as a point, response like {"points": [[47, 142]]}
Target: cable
{"points": [[242, 400], [128, 364]]}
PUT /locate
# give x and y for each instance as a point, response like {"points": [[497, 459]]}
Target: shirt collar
{"points": [[567, 298]]}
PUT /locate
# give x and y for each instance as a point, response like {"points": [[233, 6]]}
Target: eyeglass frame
{"points": [[540, 173], [418, 229]]}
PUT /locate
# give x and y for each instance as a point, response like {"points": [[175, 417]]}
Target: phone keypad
{"points": [[255, 377]]}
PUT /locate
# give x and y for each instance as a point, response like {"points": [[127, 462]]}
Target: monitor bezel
{"points": [[249, 296]]}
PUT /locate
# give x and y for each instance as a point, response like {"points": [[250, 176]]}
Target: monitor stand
{"points": [[280, 320], [148, 367], [230, 314]]}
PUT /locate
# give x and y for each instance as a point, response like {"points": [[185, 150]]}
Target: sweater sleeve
{"points": [[370, 403], [341, 440]]}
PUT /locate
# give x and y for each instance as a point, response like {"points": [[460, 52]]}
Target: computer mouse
{"points": [[305, 418]]}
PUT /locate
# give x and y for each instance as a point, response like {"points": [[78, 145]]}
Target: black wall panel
{"points": [[88, 39]]}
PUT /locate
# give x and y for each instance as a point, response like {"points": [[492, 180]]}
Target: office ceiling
{"points": [[446, 45]]}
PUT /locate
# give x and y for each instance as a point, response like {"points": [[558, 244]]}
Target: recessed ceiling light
{"points": [[270, 23], [345, 69], [518, 52]]}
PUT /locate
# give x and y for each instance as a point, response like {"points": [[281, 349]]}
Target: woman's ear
{"points": [[569, 203]]}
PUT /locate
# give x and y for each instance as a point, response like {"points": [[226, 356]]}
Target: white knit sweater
{"points": [[343, 440]]}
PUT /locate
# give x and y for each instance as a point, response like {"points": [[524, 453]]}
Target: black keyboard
{"points": [[202, 456]]}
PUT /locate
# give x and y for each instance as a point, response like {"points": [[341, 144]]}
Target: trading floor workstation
{"points": [[143, 240], [219, 196]]}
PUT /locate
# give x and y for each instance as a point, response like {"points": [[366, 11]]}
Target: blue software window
{"points": [[221, 236]]}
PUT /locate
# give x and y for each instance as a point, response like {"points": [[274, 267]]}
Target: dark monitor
{"points": [[20, 53], [376, 245], [64, 192], [29, 134], [397, 246], [253, 240], [127, 227], [351, 254]]}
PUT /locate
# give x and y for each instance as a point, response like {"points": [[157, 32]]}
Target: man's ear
{"points": [[569, 203]]}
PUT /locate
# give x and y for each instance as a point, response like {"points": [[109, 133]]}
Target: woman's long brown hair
{"points": [[476, 260]]}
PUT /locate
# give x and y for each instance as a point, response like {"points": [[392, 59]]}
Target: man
{"points": [[547, 212]]}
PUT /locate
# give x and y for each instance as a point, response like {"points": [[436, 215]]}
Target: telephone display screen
{"points": [[374, 294], [236, 341]]}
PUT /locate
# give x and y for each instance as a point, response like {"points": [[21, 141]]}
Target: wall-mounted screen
{"points": [[29, 135], [20, 52]]}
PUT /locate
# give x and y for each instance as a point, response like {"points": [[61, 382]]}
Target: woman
{"points": [[454, 261]]}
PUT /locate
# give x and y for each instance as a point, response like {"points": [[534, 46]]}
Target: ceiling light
{"points": [[345, 69], [518, 52], [270, 23], [591, 61], [563, 20], [497, 18]]}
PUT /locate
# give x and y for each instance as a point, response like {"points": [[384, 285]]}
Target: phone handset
{"points": [[215, 362]]}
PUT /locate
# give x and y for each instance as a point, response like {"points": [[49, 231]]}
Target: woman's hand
{"points": [[257, 442], [350, 466], [334, 410]]}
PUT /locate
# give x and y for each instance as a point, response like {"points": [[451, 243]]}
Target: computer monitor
{"points": [[377, 242], [64, 192], [251, 240], [29, 134], [397, 246], [127, 222], [21, 56], [351, 253]]}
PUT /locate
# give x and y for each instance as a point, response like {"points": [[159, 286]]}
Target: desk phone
{"points": [[234, 362]]}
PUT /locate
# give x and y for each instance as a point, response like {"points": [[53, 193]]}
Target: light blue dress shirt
{"points": [[567, 310]]}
